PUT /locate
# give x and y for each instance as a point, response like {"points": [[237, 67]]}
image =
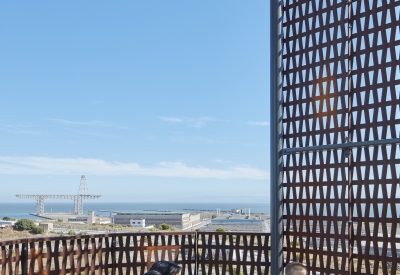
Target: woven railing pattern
{"points": [[134, 253], [233, 253]]}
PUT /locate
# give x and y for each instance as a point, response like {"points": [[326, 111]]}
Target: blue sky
{"points": [[151, 100]]}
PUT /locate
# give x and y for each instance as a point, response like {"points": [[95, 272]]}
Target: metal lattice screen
{"points": [[341, 129]]}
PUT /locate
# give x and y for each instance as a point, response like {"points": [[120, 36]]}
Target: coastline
{"points": [[23, 209]]}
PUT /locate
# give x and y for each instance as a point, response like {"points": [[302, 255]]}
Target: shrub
{"points": [[37, 230], [164, 226], [153, 229], [24, 224], [71, 232], [220, 229], [6, 219]]}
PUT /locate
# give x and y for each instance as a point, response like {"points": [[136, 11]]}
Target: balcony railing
{"points": [[209, 253]]}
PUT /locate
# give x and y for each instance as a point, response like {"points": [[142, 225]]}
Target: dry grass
{"points": [[8, 233]]}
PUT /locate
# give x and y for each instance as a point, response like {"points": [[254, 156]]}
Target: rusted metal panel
{"points": [[341, 83], [376, 116], [315, 94]]}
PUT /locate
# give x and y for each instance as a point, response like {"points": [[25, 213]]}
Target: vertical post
{"points": [[113, 254], [195, 253], [350, 139], [24, 258], [276, 195]]}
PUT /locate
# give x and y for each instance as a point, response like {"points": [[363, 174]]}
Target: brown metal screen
{"points": [[375, 115], [341, 84], [211, 253], [236, 253]]}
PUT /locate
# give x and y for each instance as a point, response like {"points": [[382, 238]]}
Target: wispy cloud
{"points": [[85, 123], [75, 132], [206, 140], [20, 129], [221, 161], [71, 166], [171, 119], [258, 123], [196, 140], [193, 122]]}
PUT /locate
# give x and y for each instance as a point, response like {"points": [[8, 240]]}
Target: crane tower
{"points": [[83, 194], [83, 191]]}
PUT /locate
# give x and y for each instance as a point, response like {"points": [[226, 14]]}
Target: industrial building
{"points": [[237, 223], [176, 219]]}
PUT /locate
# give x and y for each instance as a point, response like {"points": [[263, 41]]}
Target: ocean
{"points": [[20, 210]]}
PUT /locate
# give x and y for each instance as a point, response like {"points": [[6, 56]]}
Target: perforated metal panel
{"points": [[340, 85], [375, 115]]}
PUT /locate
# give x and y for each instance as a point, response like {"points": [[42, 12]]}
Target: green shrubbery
{"points": [[153, 229], [164, 226], [26, 224], [220, 229], [37, 230]]}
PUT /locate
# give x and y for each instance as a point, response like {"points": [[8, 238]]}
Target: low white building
{"points": [[7, 223], [138, 223], [181, 220]]}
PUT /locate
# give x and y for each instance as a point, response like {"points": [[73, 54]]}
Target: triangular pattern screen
{"points": [[341, 83]]}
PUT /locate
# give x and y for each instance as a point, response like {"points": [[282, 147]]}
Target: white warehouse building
{"points": [[176, 219], [138, 223]]}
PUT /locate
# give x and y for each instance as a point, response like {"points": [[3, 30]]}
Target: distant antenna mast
{"points": [[83, 189]]}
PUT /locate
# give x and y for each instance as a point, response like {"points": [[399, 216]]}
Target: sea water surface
{"points": [[23, 209]]}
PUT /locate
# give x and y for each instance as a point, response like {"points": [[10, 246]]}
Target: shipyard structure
{"points": [[78, 199]]}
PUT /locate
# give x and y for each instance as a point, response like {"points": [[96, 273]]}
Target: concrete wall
{"points": [[194, 219], [91, 219], [47, 227]]}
